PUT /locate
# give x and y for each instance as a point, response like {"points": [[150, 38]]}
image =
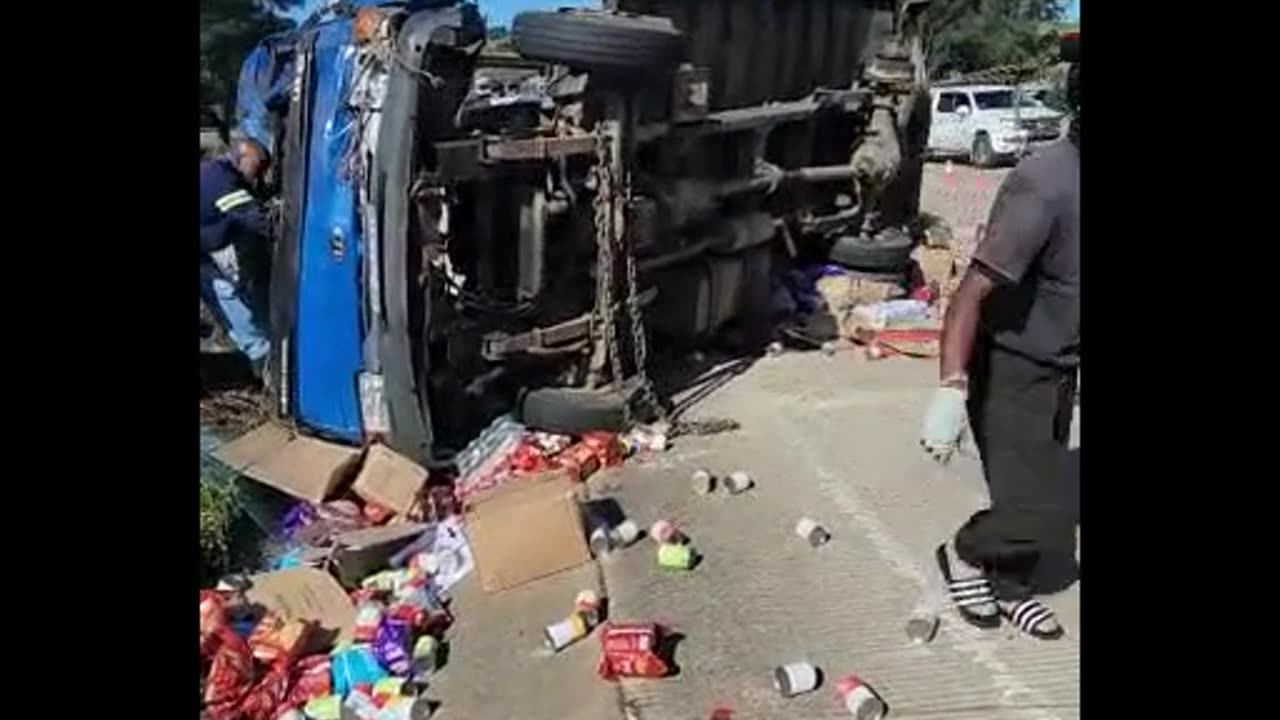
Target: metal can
{"points": [[665, 532], [625, 533], [812, 532], [738, 482], [795, 679], [859, 699], [675, 557], [702, 482], [566, 632]]}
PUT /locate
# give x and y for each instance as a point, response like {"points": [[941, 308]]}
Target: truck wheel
{"points": [[598, 40], [982, 155], [573, 410], [888, 252]]}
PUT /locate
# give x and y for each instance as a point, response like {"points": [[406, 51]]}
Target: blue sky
{"points": [[500, 12]]}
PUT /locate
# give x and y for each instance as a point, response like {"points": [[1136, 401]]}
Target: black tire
{"points": [[598, 40], [889, 252], [573, 410], [982, 155]]}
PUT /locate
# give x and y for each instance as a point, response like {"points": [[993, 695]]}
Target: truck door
{"points": [[950, 122]]}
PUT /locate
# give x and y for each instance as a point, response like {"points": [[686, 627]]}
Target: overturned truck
{"points": [[454, 246]]}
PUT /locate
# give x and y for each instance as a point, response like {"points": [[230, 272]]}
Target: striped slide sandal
{"points": [[972, 597]]}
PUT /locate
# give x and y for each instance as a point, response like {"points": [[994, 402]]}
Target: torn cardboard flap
{"points": [[390, 479], [526, 530], [358, 554], [306, 468], [307, 594]]}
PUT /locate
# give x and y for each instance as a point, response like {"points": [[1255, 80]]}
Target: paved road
{"points": [[828, 437]]}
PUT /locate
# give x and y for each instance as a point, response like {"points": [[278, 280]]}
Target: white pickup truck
{"points": [[989, 123]]}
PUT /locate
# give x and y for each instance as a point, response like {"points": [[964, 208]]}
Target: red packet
{"points": [[606, 446], [277, 639], [266, 699], [231, 674], [580, 460], [309, 679], [630, 650]]}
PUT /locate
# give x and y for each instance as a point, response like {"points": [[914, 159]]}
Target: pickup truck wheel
{"points": [[573, 410], [888, 252], [598, 40], [982, 155]]}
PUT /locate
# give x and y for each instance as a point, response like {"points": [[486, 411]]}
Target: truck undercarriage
{"points": [[483, 245]]}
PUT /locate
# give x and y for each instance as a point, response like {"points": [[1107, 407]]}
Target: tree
{"points": [[229, 29], [967, 35]]}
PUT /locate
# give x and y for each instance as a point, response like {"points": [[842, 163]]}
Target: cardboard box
{"points": [[390, 479], [307, 594], [360, 553], [526, 530], [303, 467]]}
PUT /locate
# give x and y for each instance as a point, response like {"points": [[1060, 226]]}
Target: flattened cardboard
{"points": [[390, 479], [526, 530], [303, 467], [307, 594]]}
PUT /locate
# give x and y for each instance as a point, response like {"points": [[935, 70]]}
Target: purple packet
{"points": [[391, 645], [296, 518]]}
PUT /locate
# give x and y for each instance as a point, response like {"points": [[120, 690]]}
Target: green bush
{"points": [[218, 510]]}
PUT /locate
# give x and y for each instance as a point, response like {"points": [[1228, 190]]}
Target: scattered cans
{"points": [[600, 541], [589, 604], [425, 652], [922, 627], [703, 482], [812, 532], [566, 632], [859, 699], [738, 482], [676, 557], [665, 532], [795, 679], [624, 534]]}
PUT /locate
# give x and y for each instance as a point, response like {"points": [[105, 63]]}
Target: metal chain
{"points": [[602, 205], [609, 205], [639, 342]]}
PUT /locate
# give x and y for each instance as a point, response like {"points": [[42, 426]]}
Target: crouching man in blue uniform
{"points": [[234, 225]]}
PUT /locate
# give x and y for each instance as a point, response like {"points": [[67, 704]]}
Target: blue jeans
{"points": [[235, 311]]}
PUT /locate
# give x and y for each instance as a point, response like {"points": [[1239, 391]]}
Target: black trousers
{"points": [[1020, 414]]}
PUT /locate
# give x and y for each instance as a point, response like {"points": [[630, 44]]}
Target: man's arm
{"points": [[960, 326], [245, 211], [1020, 223]]}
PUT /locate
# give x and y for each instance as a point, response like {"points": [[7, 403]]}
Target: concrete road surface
{"points": [[832, 438]]}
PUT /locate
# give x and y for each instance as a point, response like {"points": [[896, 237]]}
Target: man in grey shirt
{"points": [[1010, 353]]}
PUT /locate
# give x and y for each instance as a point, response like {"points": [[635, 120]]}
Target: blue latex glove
{"points": [[944, 423]]}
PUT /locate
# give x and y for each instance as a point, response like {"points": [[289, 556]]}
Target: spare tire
{"points": [[888, 252], [573, 410], [598, 40]]}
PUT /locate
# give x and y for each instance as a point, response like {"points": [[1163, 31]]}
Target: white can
{"points": [[566, 632], [702, 482], [795, 679], [859, 699], [600, 542], [812, 532], [738, 482], [625, 533]]}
